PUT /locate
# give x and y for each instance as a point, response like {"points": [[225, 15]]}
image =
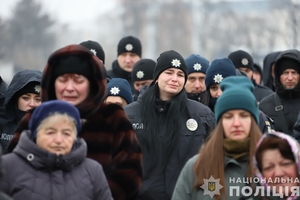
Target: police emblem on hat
{"points": [[245, 61], [114, 90], [218, 78], [129, 47], [197, 67], [37, 88], [176, 63], [140, 74], [94, 51], [191, 124]]}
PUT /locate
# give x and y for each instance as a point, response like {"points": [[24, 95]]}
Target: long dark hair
{"points": [[150, 116]]}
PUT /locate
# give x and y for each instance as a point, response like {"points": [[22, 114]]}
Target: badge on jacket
{"points": [[191, 124]]}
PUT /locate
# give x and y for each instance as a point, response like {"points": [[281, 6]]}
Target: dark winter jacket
{"points": [[11, 116], [33, 173], [3, 87], [289, 98], [160, 185], [118, 72], [106, 129], [261, 91], [267, 77], [296, 130]]}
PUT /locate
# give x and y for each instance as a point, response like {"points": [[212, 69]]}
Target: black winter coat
{"points": [[160, 185], [289, 98], [32, 173], [11, 115]]}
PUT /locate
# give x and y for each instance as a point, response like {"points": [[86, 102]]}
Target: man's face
{"points": [[248, 71], [126, 60], [289, 78], [195, 83]]}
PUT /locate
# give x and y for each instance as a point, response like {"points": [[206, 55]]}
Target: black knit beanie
{"points": [[96, 48], [33, 87], [143, 70], [241, 59], [287, 63], [130, 44], [73, 65], [169, 59]]}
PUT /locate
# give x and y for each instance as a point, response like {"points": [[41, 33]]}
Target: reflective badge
{"points": [[191, 124]]}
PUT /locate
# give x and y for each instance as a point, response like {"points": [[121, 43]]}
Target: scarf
{"points": [[236, 148]]}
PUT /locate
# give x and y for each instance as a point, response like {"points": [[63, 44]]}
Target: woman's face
{"points": [[236, 124], [73, 88], [170, 83], [56, 135], [215, 90], [28, 101], [279, 170]]}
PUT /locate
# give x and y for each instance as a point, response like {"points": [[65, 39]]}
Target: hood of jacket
{"points": [[281, 91], [42, 159], [3, 87], [92, 103], [268, 61], [295, 147], [20, 80]]}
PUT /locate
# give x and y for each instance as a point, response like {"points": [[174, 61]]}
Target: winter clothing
{"points": [[241, 59], [50, 107], [294, 148], [193, 130], [289, 97], [169, 59], [268, 61], [118, 72], [196, 63], [3, 87], [96, 48], [79, 66], [143, 70], [261, 91], [237, 94], [257, 68], [48, 176], [296, 130], [120, 87], [130, 44], [22, 82], [218, 70], [106, 129], [233, 169]]}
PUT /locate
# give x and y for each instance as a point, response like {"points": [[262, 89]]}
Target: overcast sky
{"points": [[65, 11]]}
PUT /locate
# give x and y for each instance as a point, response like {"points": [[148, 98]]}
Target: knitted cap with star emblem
{"points": [[169, 59], [143, 70], [197, 63], [96, 48], [130, 44], [120, 87], [218, 70], [241, 59]]}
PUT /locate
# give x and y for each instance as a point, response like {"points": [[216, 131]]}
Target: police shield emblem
{"points": [[211, 186]]}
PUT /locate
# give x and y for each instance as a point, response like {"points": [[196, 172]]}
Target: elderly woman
{"points": [[54, 159], [75, 75], [227, 154], [278, 166]]}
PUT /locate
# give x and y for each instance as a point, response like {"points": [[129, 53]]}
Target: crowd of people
{"points": [[175, 128]]}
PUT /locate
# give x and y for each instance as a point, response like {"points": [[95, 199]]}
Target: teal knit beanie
{"points": [[237, 94]]}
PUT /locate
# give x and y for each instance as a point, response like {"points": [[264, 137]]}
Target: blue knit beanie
{"points": [[120, 87], [50, 107], [218, 70], [196, 63], [237, 94]]}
